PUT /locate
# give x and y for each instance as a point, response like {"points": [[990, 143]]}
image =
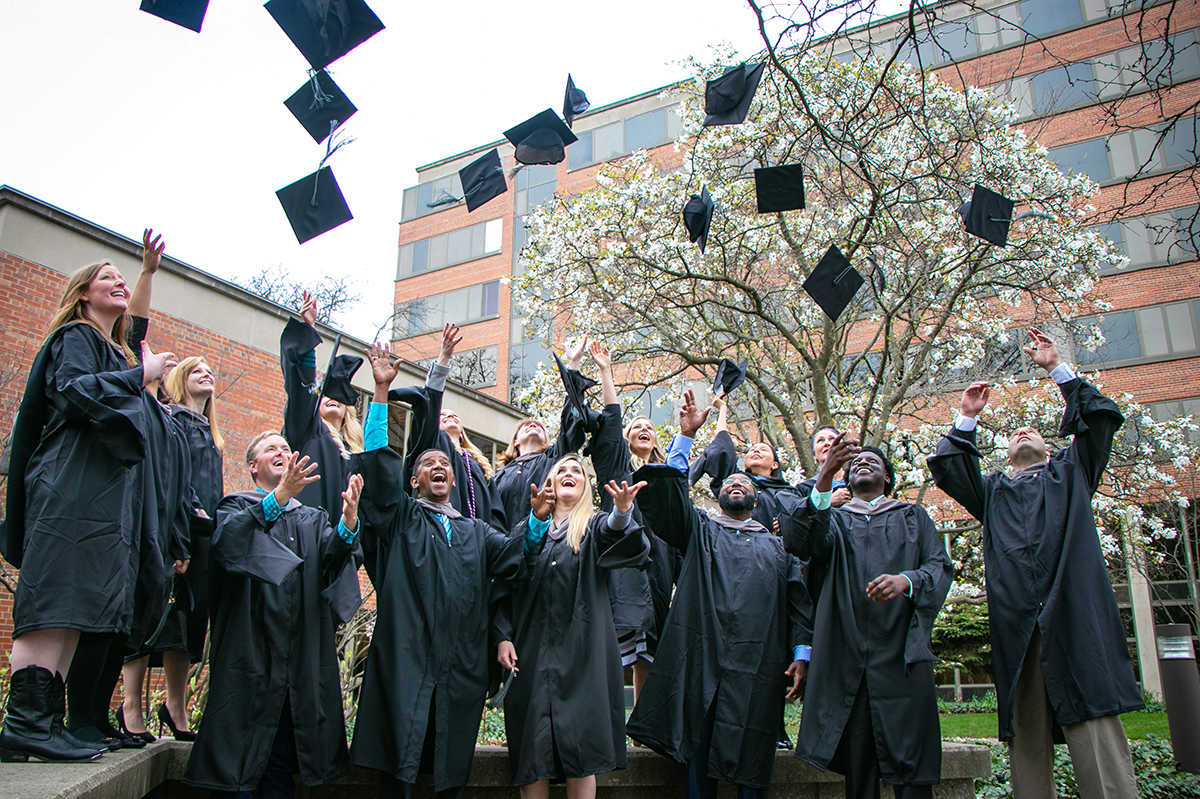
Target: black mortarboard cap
{"points": [[730, 375], [187, 13], [779, 188], [338, 376], [575, 102], [727, 99], [576, 385], [482, 180], [314, 204], [541, 139], [833, 283], [320, 106], [325, 30], [988, 215], [697, 216]]}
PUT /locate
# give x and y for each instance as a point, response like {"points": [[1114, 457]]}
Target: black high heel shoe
{"points": [[146, 736], [164, 716]]}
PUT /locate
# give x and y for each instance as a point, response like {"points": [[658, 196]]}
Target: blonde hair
{"points": [[176, 386], [511, 453], [350, 437], [71, 309], [656, 453], [581, 514], [465, 444]]}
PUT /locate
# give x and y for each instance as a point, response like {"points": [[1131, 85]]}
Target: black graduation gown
{"points": [[513, 481], [640, 599], [472, 496], [776, 496], [740, 607], [429, 653], [279, 590], [302, 425], [565, 709], [73, 520], [1043, 564], [208, 485], [887, 644]]}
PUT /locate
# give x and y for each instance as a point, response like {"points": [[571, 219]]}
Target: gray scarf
{"points": [[439, 507], [864, 508], [746, 526]]}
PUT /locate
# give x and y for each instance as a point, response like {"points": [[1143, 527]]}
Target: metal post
{"points": [[1185, 530], [1181, 692], [1143, 612]]}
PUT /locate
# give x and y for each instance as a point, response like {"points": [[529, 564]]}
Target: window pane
{"points": [[1137, 242], [1154, 332], [433, 312], [540, 194], [1121, 340], [1087, 157], [608, 142], [420, 256], [674, 121], [1179, 145], [493, 235], [579, 154], [405, 267], [1063, 87], [1040, 17], [424, 197], [645, 131], [454, 306], [1179, 323], [474, 301], [542, 173], [409, 206], [954, 41], [1188, 232], [459, 246], [491, 299]]}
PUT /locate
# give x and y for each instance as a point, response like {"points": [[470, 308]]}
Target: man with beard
{"points": [[427, 672], [737, 636], [1058, 646], [871, 708]]}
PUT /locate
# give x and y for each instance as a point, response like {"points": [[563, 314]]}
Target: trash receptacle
{"points": [[1181, 692]]}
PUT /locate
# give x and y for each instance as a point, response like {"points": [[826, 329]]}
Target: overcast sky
{"points": [[130, 121]]}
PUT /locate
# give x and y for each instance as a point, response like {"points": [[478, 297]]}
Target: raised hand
{"points": [[601, 356], [691, 417], [541, 502], [297, 473], [718, 400], [450, 339], [623, 494], [841, 452], [1044, 351], [887, 587], [154, 366], [350, 499], [974, 399], [308, 309], [152, 250], [840, 497], [383, 369], [798, 672], [574, 353], [506, 655]]}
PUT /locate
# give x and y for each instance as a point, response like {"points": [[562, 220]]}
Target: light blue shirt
{"points": [[677, 453]]}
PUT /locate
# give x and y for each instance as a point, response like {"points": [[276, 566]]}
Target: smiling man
{"points": [[1058, 645], [427, 671], [871, 709]]}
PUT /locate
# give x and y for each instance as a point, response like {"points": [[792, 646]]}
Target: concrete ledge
{"points": [[155, 771]]}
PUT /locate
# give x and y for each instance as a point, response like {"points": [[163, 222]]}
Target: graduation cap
{"points": [[575, 102], [482, 180], [541, 139], [779, 188], [320, 106], [576, 385], [727, 99], [988, 215], [697, 216], [314, 204], [730, 375], [186, 13], [338, 374], [325, 30], [833, 283]]}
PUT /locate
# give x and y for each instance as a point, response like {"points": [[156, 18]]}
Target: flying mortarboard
{"points": [[575, 102], [833, 283], [320, 106], [576, 385], [325, 30], [186, 13], [482, 180], [779, 188], [697, 216], [727, 99], [730, 375], [988, 215], [314, 204], [541, 139]]}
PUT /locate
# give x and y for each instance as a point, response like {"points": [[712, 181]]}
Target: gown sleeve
{"points": [[627, 548], [572, 428], [1093, 419], [297, 359], [610, 452], [930, 584], [384, 497], [242, 546], [665, 505], [807, 533], [955, 468], [718, 461], [800, 606], [339, 568]]}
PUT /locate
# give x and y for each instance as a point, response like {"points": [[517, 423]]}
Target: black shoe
{"points": [[145, 737], [164, 716], [87, 737], [35, 701]]}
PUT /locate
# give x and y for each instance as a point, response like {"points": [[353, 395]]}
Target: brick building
{"points": [[1108, 87], [193, 312]]}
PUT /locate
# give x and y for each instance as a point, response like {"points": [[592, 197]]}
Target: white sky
{"points": [[130, 121]]}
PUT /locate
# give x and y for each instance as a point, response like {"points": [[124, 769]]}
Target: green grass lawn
{"points": [[983, 725]]}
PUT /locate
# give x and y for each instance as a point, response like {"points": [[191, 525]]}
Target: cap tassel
{"points": [[330, 149], [320, 98]]}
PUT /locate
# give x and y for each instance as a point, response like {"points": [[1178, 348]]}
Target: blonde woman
{"points": [[565, 710], [72, 503], [324, 427]]}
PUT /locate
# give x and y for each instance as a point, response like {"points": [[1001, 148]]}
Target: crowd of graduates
{"points": [[513, 581]]}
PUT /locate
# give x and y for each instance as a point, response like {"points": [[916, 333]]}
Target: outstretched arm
{"points": [[152, 250], [955, 465], [603, 362]]}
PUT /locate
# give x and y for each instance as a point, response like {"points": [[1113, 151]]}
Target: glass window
{"points": [[608, 141], [539, 194], [437, 252], [1187, 226], [1063, 87], [420, 258], [1042, 17], [405, 266], [493, 235], [1154, 332], [1120, 340], [1179, 144], [1179, 324], [459, 248], [490, 300], [454, 307], [645, 131], [579, 154], [408, 208], [951, 41], [1086, 157]]}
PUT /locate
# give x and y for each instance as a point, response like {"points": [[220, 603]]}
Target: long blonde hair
{"points": [[350, 437], [656, 454], [511, 453], [581, 514], [71, 309], [176, 385]]}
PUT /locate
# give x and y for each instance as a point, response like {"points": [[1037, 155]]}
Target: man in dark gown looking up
{"points": [[1058, 646]]}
